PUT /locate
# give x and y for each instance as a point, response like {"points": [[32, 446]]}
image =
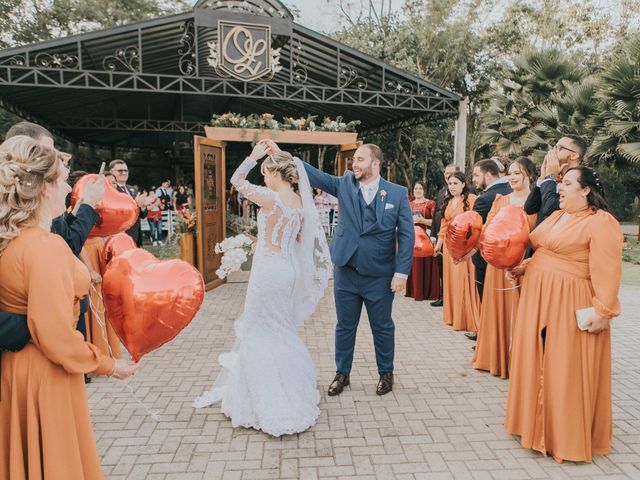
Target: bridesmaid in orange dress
{"points": [[91, 256], [500, 301], [424, 280], [559, 397], [461, 302], [45, 429]]}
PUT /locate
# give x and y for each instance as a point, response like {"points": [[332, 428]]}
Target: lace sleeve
{"points": [[261, 196]]}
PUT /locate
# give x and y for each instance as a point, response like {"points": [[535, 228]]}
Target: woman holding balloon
{"points": [[460, 300], [424, 280], [559, 398], [500, 301], [45, 429]]}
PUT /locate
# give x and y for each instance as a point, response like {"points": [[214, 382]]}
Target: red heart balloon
{"points": [[117, 210], [505, 238], [115, 245], [423, 247], [150, 301], [463, 234]]}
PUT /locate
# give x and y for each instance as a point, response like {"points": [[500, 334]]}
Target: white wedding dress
{"points": [[268, 380]]}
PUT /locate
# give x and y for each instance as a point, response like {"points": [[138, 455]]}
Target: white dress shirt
{"points": [[369, 190]]}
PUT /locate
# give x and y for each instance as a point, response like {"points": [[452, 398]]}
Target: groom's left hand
{"points": [[398, 284]]}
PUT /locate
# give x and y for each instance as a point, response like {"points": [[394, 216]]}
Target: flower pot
{"points": [[187, 248]]}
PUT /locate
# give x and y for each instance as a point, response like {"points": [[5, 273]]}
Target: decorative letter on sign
{"points": [[243, 51]]}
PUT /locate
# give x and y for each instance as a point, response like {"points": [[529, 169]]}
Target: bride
{"points": [[268, 380]]}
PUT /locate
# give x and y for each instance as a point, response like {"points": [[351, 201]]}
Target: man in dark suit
{"points": [[544, 199], [120, 170], [487, 179], [437, 220]]}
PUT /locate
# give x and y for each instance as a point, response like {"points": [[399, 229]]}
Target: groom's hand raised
{"points": [[398, 285]]}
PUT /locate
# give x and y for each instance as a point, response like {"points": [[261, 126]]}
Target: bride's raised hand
{"points": [[259, 151], [272, 147]]}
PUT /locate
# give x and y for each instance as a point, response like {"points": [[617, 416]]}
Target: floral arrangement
{"points": [[266, 121], [235, 251], [239, 224], [185, 221]]}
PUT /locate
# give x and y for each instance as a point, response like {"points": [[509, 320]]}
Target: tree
{"points": [[28, 21], [617, 123]]}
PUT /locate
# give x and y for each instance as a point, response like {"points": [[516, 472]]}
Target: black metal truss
{"points": [[139, 125], [19, 76]]}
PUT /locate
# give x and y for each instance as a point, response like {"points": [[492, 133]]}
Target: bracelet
{"points": [[113, 370]]}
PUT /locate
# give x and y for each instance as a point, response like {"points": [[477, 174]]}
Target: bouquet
{"points": [[234, 253]]}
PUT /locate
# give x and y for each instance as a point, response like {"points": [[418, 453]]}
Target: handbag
{"points": [[422, 246], [14, 333]]}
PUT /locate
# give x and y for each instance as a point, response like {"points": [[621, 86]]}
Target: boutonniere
{"points": [[383, 194]]}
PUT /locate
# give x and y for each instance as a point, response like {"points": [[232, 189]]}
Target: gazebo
{"points": [[157, 83]]}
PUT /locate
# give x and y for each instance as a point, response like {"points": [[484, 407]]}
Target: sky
{"points": [[324, 15]]}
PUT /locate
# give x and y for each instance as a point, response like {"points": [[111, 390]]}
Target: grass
{"points": [[170, 249], [631, 251]]}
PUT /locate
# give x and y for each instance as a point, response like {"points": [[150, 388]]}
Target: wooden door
{"points": [[345, 157], [211, 201]]}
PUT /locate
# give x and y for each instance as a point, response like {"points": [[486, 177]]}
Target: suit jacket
{"points": [[394, 225], [483, 205], [543, 200], [437, 215], [135, 231]]}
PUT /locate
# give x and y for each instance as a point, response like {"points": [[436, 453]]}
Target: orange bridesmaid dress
{"points": [[461, 302], [559, 398], [45, 429], [498, 311], [92, 252]]}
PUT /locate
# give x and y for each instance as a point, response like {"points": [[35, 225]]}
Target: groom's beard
{"points": [[365, 174]]}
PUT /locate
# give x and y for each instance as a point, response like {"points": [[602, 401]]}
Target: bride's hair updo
{"points": [[282, 162], [25, 167]]}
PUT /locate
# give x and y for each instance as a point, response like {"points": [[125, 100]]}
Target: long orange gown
{"points": [[45, 429], [92, 251], [559, 397], [498, 311], [461, 302]]}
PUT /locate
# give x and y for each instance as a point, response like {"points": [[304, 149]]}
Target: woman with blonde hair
{"points": [[268, 380], [45, 429]]}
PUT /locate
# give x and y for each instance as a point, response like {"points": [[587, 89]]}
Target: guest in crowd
{"points": [[559, 398], [487, 180], [45, 429], [568, 152], [165, 193], [154, 217], [424, 280], [74, 227], [327, 206], [435, 223], [461, 301], [181, 199], [120, 170], [500, 301], [111, 178]]}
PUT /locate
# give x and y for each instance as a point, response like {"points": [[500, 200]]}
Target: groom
{"points": [[375, 217]]}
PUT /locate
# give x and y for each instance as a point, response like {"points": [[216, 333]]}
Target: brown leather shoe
{"points": [[385, 385], [339, 382]]}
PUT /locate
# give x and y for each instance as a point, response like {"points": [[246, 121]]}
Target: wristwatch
{"points": [[551, 176]]}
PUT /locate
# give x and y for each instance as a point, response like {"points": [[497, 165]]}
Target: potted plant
{"points": [[186, 227]]}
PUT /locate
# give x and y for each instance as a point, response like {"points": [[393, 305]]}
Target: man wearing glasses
{"points": [[120, 170], [567, 153]]}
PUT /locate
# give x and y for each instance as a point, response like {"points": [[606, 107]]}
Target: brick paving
{"points": [[442, 421]]}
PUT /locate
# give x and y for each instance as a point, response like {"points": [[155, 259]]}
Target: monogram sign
{"points": [[243, 51]]}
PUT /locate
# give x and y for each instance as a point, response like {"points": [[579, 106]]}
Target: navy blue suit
{"points": [[483, 205], [363, 251]]}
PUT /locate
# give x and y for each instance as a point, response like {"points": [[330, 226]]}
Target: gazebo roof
{"points": [[131, 85]]}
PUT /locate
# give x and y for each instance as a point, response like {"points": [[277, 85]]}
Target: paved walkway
{"points": [[443, 419]]}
